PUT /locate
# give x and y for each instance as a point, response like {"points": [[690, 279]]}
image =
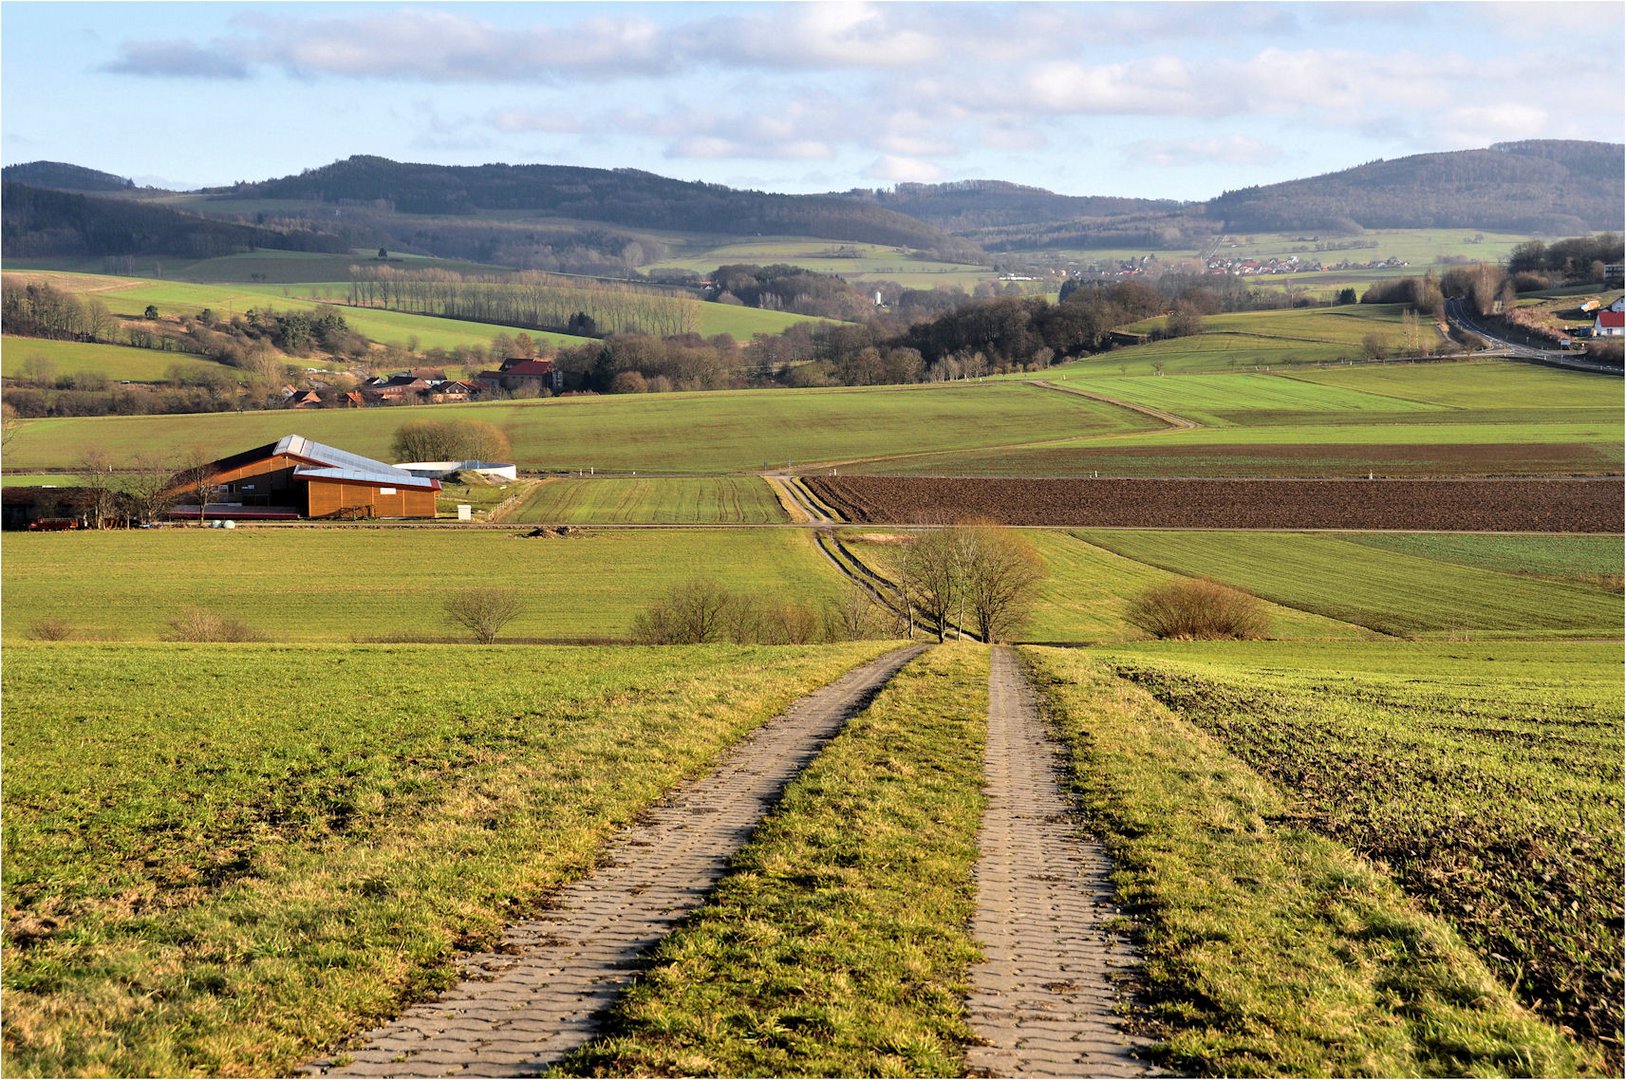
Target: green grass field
{"points": [[220, 860], [873, 262], [1271, 945], [1586, 560], [837, 945], [1393, 592], [129, 297], [344, 584], [117, 362], [718, 500], [1486, 784], [732, 431], [1087, 589]]}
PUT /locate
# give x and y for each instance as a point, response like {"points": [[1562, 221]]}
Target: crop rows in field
{"points": [[1558, 505], [1500, 812], [689, 500]]}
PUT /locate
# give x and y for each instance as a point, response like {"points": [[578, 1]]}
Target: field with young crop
{"points": [[724, 431], [837, 945], [1238, 800], [39, 357], [343, 584], [1585, 560], [221, 859], [711, 500], [1087, 589], [1487, 784], [1393, 592]]}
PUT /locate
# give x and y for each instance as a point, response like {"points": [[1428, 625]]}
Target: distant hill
{"points": [[625, 197], [60, 176], [967, 205], [38, 223], [1542, 186]]}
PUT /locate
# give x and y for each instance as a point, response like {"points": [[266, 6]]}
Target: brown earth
{"points": [[1270, 460], [1566, 505]]}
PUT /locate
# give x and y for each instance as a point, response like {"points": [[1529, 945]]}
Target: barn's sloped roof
{"points": [[335, 464]]}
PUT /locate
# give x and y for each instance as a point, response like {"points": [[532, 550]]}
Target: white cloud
{"points": [[534, 121], [1186, 153], [898, 169]]}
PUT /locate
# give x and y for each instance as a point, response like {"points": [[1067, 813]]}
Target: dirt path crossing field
{"points": [[1043, 998], [538, 995]]}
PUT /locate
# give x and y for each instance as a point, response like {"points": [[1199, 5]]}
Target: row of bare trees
{"points": [[979, 578], [533, 299]]}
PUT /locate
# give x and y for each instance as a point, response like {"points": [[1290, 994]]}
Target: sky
{"points": [[1153, 100]]}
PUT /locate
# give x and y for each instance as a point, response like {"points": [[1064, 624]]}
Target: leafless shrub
{"points": [[1198, 608], [702, 610], [51, 628], [201, 624], [484, 611]]}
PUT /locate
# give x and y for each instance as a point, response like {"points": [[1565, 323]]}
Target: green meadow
{"points": [[315, 585], [1393, 592], [732, 431], [221, 859], [117, 362]]}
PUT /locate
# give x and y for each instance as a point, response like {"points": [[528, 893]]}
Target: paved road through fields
{"points": [[1043, 998], [541, 992]]}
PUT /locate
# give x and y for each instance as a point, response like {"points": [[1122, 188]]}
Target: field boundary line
{"points": [[543, 990], [1176, 423], [1043, 1000]]}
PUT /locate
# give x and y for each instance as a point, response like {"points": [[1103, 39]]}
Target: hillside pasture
{"points": [[221, 860], [342, 584], [871, 262], [1392, 592], [716, 432], [129, 297], [119, 363], [721, 500]]}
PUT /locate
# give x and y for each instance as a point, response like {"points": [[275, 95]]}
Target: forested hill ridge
{"points": [[626, 197], [35, 222], [61, 176], [1549, 186], [966, 205]]}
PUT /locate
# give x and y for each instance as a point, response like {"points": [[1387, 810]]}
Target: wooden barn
{"points": [[295, 477]]}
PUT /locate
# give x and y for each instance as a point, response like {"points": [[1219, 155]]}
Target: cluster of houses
{"points": [[521, 374], [1240, 267]]}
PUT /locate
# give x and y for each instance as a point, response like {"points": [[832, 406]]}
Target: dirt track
{"points": [[1568, 505]]}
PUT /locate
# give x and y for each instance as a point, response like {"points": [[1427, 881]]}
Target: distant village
{"points": [[521, 376]]}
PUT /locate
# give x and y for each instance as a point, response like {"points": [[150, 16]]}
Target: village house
{"points": [[526, 373], [1611, 321]]}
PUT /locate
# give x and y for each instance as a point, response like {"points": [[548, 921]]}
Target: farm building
{"points": [[295, 477], [1611, 321]]}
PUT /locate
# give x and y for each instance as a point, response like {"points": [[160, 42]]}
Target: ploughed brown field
{"points": [[1567, 505]]}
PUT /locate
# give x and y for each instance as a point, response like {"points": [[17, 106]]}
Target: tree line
{"points": [[529, 298]]}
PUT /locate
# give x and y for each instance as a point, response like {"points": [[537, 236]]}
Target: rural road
{"points": [[1043, 998], [540, 993]]}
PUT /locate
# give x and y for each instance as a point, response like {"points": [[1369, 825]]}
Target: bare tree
{"points": [[152, 486], [97, 480], [484, 611], [1002, 572], [934, 567], [852, 615], [10, 424]]}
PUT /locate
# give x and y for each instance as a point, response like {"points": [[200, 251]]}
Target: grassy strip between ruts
{"points": [[207, 873], [838, 944], [1269, 949]]}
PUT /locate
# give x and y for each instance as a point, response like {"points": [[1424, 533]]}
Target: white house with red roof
{"points": [[1611, 321]]}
